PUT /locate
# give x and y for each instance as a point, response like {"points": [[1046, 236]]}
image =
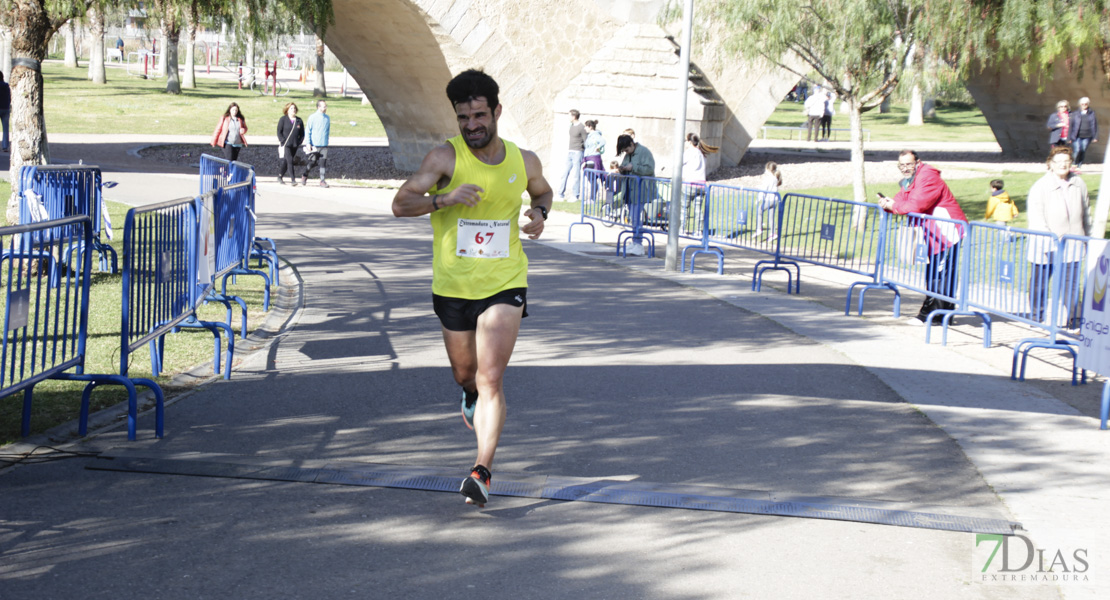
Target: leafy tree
{"points": [[858, 48], [33, 23]]}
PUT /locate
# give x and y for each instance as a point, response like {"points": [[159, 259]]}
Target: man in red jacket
{"points": [[924, 192]]}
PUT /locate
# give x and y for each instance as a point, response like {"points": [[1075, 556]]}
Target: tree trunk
{"points": [[321, 89], [190, 81], [71, 45], [929, 107], [859, 187], [6, 50], [30, 37], [160, 68], [250, 60], [884, 108], [97, 73], [172, 35], [916, 118]]}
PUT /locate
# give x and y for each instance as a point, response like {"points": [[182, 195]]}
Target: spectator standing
{"points": [[826, 119], [5, 108], [575, 154], [1000, 208], [1084, 124], [290, 135], [316, 148], [231, 132], [1058, 203], [595, 146], [693, 180], [924, 192], [637, 161], [815, 109], [769, 182], [1059, 125]]}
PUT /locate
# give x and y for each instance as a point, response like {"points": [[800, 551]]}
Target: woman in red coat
{"points": [[231, 132]]}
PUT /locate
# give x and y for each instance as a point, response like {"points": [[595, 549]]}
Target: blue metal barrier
{"points": [[839, 234], [607, 199], [217, 173], [161, 290], [64, 191], [46, 326], [747, 219], [234, 237], [1057, 275]]}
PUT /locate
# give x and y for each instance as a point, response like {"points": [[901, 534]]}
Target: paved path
{"points": [[621, 372]]}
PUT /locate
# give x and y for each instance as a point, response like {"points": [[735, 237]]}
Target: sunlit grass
{"points": [[953, 123], [128, 104]]}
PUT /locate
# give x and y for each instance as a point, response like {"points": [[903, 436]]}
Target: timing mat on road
{"points": [[549, 487]]}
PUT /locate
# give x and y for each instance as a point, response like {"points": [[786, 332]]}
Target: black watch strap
{"points": [[543, 211]]}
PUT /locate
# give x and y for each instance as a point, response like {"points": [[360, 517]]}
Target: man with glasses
{"points": [[924, 192], [1084, 124]]}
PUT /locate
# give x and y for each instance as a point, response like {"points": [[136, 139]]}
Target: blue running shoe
{"points": [[469, 403]]}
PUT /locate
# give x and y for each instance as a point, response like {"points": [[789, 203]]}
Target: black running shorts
{"points": [[459, 314]]}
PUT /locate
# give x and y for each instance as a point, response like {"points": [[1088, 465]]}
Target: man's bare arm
{"points": [[540, 192], [412, 199]]}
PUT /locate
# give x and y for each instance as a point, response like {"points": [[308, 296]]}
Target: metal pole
{"points": [[1102, 205], [671, 263]]}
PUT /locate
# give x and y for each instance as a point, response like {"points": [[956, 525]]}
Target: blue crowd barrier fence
{"points": [[926, 254], [216, 173], [161, 286], [614, 199], [640, 205], [1057, 278], [980, 270], [59, 191], [46, 323]]}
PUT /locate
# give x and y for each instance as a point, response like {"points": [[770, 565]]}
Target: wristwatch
{"points": [[543, 211]]}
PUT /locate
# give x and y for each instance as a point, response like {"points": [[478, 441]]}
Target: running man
{"points": [[472, 186]]}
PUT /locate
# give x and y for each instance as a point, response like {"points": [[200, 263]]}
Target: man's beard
{"points": [[482, 142]]}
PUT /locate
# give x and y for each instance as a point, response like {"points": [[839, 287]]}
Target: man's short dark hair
{"points": [[910, 152], [575, 114], [623, 142], [997, 184], [471, 85]]}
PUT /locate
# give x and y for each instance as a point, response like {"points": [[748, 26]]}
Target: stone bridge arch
{"points": [[610, 60], [607, 58], [403, 52]]}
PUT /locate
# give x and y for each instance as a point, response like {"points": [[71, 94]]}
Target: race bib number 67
{"points": [[483, 238]]}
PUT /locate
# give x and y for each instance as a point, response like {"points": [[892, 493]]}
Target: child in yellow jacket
{"points": [[1000, 207]]}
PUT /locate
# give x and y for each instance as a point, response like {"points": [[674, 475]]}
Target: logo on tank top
{"points": [[512, 178]]}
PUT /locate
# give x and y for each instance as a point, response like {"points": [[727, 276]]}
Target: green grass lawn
{"points": [[57, 402], [128, 104], [951, 124]]}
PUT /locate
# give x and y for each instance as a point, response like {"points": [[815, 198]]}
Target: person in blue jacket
{"points": [[316, 142]]}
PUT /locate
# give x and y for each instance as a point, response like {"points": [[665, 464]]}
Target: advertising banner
{"points": [[1094, 339]]}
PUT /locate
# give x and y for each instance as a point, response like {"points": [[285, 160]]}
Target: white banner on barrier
{"points": [[206, 241], [1094, 339]]}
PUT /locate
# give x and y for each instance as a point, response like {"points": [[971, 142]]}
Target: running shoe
{"points": [[476, 486], [469, 403]]}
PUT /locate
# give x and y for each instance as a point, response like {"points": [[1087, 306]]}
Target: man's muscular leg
{"points": [[479, 359]]}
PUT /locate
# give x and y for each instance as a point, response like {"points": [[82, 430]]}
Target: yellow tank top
{"points": [[461, 270]]}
